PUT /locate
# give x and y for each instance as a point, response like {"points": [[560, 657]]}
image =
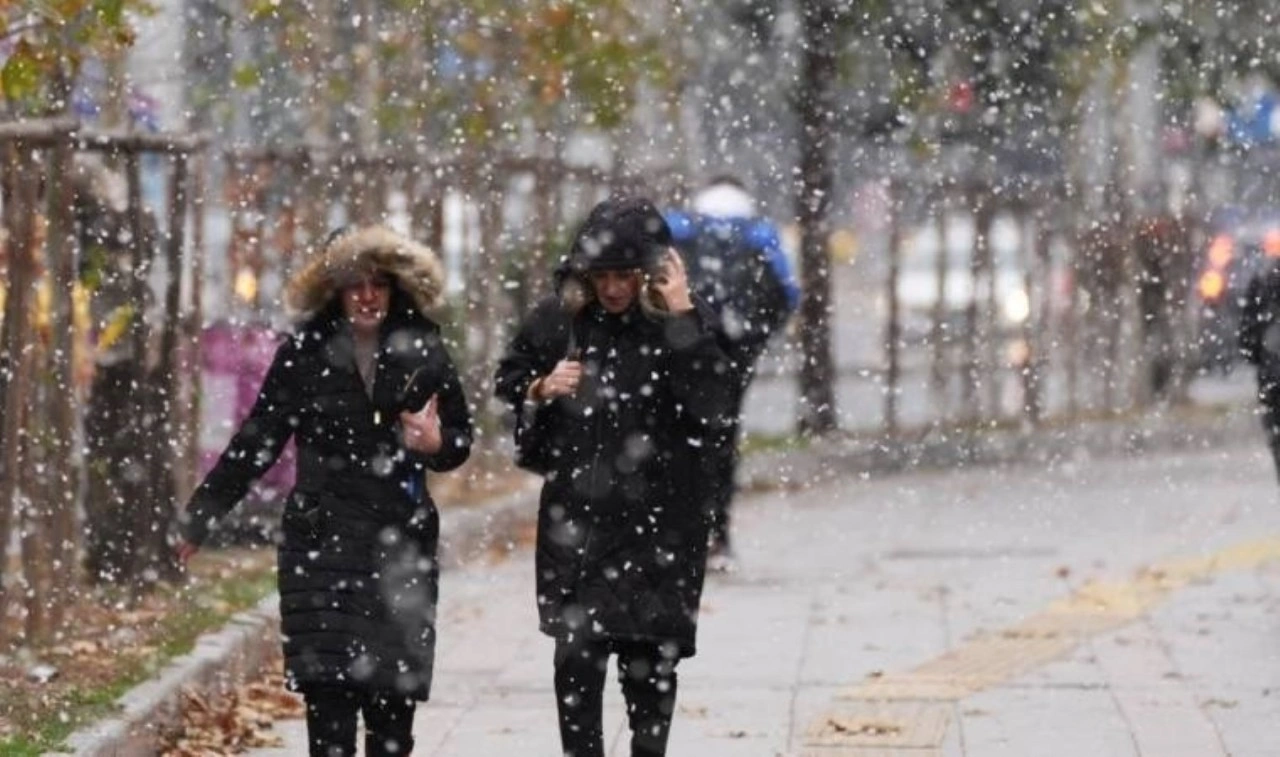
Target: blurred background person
{"points": [[736, 264]]}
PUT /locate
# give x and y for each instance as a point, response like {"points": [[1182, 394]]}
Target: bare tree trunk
{"points": [[318, 52], [969, 400], [367, 186], [434, 215], [991, 336], [9, 183], [15, 347], [816, 111], [1121, 241], [152, 509], [535, 281], [893, 326], [34, 502], [288, 220], [64, 493], [193, 332], [260, 248], [1181, 312], [233, 178], [317, 202], [484, 358], [1033, 327], [419, 191], [939, 335], [167, 380], [136, 488], [1048, 327]]}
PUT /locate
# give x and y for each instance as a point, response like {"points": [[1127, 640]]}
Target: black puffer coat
{"points": [[621, 537], [357, 573], [1260, 326]]}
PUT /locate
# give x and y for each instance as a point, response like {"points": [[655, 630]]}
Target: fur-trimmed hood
{"points": [[416, 268]]}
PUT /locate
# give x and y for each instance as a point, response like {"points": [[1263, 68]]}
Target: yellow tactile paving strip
{"points": [[907, 714], [900, 725], [859, 751]]}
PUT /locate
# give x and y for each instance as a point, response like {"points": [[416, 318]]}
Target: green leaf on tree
{"points": [[20, 77], [110, 12]]}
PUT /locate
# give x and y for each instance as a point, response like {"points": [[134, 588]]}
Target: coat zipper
{"points": [[598, 441]]}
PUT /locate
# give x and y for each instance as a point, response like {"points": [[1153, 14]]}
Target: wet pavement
{"points": [[1105, 607]]}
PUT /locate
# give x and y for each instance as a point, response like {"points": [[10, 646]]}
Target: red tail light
{"points": [[1221, 250]]}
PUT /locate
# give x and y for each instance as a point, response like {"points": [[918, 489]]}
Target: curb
{"points": [[224, 658], [1172, 430], [219, 661]]}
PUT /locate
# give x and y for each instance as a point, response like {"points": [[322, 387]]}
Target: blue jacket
{"points": [[759, 232]]}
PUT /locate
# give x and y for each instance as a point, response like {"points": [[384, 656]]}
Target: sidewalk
{"points": [[935, 594]]}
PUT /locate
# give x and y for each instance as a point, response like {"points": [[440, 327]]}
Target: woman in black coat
{"points": [[617, 382], [368, 392], [1259, 342]]}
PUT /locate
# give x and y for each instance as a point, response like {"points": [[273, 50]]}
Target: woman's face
{"points": [[365, 301], [616, 290]]}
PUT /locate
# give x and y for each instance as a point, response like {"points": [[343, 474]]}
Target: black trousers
{"points": [[1269, 397], [648, 677], [331, 722], [721, 469]]}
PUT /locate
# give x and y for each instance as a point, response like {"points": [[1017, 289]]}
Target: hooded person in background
{"points": [[367, 390], [618, 384], [736, 264]]}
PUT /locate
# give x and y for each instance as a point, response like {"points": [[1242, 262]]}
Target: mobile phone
{"points": [[413, 396]]}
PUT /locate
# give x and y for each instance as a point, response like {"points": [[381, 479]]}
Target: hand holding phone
{"points": [[412, 395], [422, 429], [670, 282]]}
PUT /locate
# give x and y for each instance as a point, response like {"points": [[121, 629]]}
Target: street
{"points": [[1108, 607], [859, 388]]}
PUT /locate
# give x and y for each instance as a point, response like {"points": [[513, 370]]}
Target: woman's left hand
{"points": [[671, 282], [422, 429]]}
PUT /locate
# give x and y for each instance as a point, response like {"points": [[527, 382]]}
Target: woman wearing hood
{"points": [[368, 392], [617, 381]]}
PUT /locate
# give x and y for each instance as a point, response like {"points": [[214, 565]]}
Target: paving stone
{"points": [[1161, 711], [1016, 722]]}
